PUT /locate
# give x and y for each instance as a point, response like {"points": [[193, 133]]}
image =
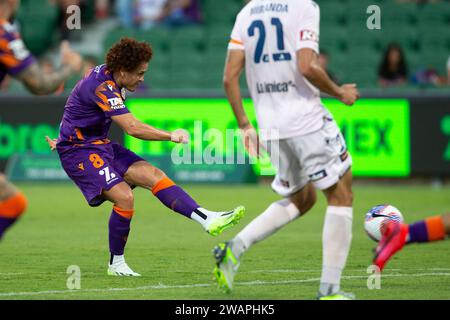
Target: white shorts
{"points": [[320, 157]]}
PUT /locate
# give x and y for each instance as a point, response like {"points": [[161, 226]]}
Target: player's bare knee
{"points": [[158, 174], [125, 200]]}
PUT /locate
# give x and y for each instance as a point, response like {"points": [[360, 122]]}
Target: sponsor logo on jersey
{"points": [[109, 176], [318, 175], [309, 35], [116, 103], [274, 87]]}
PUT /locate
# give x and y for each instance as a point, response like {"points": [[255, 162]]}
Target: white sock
{"points": [[336, 241], [273, 218], [201, 215], [116, 260]]}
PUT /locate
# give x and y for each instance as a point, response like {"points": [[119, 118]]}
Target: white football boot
{"points": [[120, 268]]}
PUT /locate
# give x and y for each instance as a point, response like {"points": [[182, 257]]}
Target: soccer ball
{"points": [[377, 217]]}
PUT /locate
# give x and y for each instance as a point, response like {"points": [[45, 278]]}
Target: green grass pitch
{"points": [[174, 254]]}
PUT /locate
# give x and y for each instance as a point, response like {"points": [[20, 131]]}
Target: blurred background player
{"points": [[279, 50], [104, 170], [16, 60], [396, 236]]}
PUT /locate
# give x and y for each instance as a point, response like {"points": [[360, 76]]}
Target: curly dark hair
{"points": [[401, 69], [128, 54]]}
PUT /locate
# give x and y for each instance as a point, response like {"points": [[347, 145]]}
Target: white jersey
{"points": [[271, 32]]}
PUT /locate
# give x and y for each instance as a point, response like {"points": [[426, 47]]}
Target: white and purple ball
{"points": [[377, 217]]}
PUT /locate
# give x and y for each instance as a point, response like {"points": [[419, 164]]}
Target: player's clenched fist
{"points": [[348, 94], [180, 136]]}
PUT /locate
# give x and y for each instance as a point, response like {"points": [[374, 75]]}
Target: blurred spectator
{"points": [[393, 69], [323, 61], [147, 13], [426, 77], [180, 12], [124, 11], [429, 76], [101, 8]]}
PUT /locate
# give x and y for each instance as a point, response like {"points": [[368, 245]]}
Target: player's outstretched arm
{"points": [[310, 68], [143, 131], [39, 82]]}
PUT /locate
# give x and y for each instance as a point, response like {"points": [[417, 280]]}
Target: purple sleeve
{"points": [[22, 65], [13, 53]]}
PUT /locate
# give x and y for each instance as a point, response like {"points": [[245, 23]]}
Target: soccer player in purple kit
{"points": [[104, 170], [18, 62]]}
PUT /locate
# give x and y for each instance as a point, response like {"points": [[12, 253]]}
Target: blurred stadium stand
{"points": [[192, 58]]}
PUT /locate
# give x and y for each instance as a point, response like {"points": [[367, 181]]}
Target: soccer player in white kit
{"points": [[278, 43]]}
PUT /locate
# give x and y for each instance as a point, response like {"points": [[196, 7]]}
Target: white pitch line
{"points": [[199, 285], [364, 270]]}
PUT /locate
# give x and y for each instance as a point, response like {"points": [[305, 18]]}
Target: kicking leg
{"points": [[395, 236], [145, 175], [119, 227], [277, 215]]}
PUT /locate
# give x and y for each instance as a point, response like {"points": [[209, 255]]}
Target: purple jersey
{"points": [[89, 108], [14, 56]]}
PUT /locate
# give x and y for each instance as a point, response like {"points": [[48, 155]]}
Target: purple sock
{"points": [[177, 199], [418, 232], [5, 223], [119, 228]]}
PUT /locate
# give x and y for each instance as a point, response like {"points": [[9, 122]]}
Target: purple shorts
{"points": [[95, 168]]}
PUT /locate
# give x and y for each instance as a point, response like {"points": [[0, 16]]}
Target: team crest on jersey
{"points": [[81, 166], [123, 93]]}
